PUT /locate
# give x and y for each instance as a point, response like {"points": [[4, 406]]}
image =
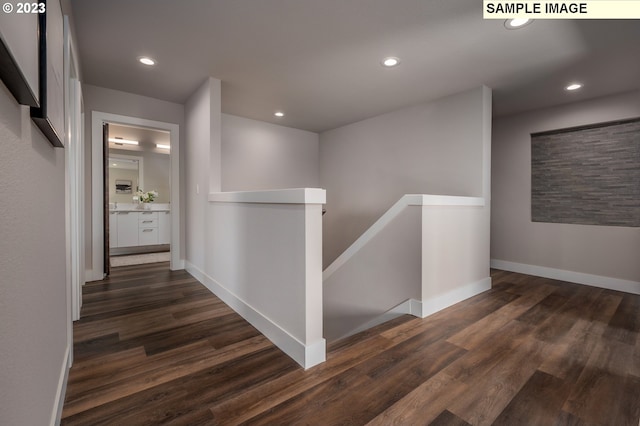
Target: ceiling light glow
{"points": [[163, 146], [390, 62], [279, 114], [147, 61], [123, 141], [514, 24], [573, 86]]}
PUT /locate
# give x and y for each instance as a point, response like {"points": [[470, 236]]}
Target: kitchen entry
{"points": [[137, 174]]}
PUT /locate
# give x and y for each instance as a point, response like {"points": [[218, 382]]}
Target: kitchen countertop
{"points": [[161, 209]]}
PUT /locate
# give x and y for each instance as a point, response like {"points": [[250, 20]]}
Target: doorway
{"points": [[138, 196], [99, 205]]}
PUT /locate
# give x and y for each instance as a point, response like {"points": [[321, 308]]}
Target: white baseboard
{"points": [[569, 276], [305, 355], [433, 305], [61, 391]]}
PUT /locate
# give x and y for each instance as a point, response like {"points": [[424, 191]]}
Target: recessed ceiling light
{"points": [[573, 86], [390, 62], [163, 146], [123, 141], [514, 24], [279, 114], [147, 60]]}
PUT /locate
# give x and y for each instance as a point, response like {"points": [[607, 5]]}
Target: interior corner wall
{"points": [[260, 156], [432, 148], [606, 251], [201, 165], [33, 289], [131, 105]]}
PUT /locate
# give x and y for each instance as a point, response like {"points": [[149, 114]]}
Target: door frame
{"points": [[97, 201]]}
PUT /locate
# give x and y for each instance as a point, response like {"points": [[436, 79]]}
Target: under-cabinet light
{"points": [[123, 141]]}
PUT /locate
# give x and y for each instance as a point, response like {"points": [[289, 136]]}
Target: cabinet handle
{"points": [[147, 221], [123, 212], [147, 230], [147, 212]]}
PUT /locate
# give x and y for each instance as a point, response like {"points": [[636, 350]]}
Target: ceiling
{"points": [[319, 60]]}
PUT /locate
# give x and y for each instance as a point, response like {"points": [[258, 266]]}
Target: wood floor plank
{"points": [[156, 347], [539, 401], [625, 323], [424, 404], [499, 384], [252, 403], [162, 375], [483, 329], [596, 394]]}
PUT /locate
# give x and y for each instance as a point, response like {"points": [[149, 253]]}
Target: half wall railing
{"points": [[424, 254]]}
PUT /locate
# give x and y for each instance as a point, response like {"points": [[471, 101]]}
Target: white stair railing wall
{"points": [[424, 254]]}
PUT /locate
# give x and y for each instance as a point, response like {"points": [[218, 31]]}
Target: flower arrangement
{"points": [[146, 197]]}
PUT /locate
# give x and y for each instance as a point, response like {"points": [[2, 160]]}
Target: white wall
{"points": [[127, 104], [432, 148], [597, 250], [258, 155], [33, 291], [202, 175]]}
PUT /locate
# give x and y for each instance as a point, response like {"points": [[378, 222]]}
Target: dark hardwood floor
{"points": [[155, 347]]}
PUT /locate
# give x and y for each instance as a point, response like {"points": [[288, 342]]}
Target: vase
{"points": [[146, 206]]}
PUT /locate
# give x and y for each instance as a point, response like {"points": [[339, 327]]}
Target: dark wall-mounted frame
{"points": [[587, 175], [19, 44], [49, 116]]}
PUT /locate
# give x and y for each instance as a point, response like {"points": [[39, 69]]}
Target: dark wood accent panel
{"points": [[155, 347]]}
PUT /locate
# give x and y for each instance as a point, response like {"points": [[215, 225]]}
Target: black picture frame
{"points": [[12, 72], [49, 116]]}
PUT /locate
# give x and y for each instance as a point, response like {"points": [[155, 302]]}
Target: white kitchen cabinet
{"points": [[147, 228], [139, 228], [127, 229], [113, 229], [147, 236], [164, 227]]}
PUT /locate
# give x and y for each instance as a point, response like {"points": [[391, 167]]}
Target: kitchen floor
{"points": [[139, 259]]}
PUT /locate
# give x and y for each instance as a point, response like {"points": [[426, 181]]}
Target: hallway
{"points": [[154, 346]]}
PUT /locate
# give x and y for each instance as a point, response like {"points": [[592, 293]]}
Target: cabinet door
{"points": [[127, 229], [147, 236], [164, 227], [113, 229]]}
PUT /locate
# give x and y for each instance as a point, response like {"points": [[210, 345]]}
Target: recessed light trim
{"points": [[123, 141], [145, 60], [279, 114], [390, 62], [517, 23], [573, 86]]}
